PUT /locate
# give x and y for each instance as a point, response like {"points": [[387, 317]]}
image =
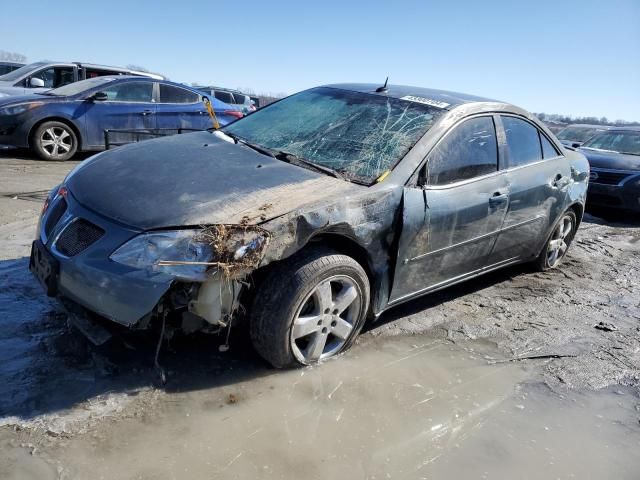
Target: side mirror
{"points": [[36, 83], [575, 145], [98, 97]]}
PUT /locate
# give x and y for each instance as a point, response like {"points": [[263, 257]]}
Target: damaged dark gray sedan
{"points": [[310, 216]]}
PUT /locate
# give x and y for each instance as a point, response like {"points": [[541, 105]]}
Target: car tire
{"points": [[55, 141], [308, 308], [558, 242]]}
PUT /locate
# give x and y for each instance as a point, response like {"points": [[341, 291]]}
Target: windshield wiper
{"points": [[303, 162], [253, 146], [630, 153]]}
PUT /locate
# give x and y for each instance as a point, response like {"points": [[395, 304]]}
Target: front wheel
{"points": [[309, 308], [558, 243], [55, 141]]}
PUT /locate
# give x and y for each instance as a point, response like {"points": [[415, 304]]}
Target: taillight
{"points": [[234, 113], [63, 191], [45, 206]]}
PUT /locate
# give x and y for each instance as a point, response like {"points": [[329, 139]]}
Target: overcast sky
{"points": [[568, 57]]}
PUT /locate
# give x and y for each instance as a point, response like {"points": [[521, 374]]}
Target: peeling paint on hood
{"points": [[196, 179]]}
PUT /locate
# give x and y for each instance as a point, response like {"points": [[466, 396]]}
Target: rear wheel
{"points": [[55, 141], [309, 308], [558, 244]]}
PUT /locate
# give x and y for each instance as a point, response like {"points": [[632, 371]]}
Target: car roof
{"points": [[588, 125], [13, 64], [222, 89], [635, 128], [452, 99]]}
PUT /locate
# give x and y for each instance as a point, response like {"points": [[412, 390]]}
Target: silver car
{"points": [[310, 217]]}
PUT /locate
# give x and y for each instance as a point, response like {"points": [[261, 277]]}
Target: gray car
{"points": [[42, 76], [310, 216]]}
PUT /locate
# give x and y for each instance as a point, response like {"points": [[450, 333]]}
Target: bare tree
{"points": [[12, 57]]}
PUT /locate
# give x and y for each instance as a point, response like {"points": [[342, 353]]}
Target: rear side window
{"points": [[130, 92], [470, 150], [225, 97], [523, 141], [548, 150], [172, 94]]}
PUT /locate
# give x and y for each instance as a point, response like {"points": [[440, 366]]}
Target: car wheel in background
{"points": [[55, 141], [309, 308], [558, 244]]}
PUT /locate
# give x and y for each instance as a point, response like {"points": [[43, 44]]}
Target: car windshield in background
{"points": [[16, 74], [359, 135], [621, 142], [79, 87], [577, 134]]}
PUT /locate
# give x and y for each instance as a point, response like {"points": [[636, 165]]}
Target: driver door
{"points": [[453, 212], [130, 105]]}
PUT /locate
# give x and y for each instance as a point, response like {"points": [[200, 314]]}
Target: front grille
{"points": [[54, 214], [607, 178], [603, 199], [77, 236]]}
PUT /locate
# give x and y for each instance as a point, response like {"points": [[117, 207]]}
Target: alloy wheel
{"points": [[56, 141], [559, 242], [325, 319]]}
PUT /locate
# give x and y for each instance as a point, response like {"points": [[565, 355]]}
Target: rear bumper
{"points": [[89, 278]]}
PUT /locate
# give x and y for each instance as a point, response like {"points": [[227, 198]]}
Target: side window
{"points": [[548, 150], [523, 141], [55, 77], [470, 150], [171, 94], [225, 97], [240, 99], [130, 92]]}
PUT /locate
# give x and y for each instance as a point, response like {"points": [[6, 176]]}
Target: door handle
{"points": [[147, 112], [498, 198], [559, 181]]}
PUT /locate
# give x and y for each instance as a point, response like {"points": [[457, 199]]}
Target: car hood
{"points": [[619, 161], [22, 98], [196, 179]]}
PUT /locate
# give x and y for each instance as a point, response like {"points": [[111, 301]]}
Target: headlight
{"points": [[19, 108], [192, 254]]}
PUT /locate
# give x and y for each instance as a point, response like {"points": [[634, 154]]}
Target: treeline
{"points": [[566, 119]]}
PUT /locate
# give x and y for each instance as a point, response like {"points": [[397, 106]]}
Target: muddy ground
{"points": [[516, 374]]}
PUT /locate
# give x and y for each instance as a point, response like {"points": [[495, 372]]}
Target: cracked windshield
{"points": [[359, 135]]}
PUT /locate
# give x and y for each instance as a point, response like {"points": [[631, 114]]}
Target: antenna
{"points": [[383, 88]]}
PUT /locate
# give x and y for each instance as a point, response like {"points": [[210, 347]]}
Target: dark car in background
{"points": [[614, 157], [60, 122], [313, 214], [575, 135], [6, 67], [42, 76], [242, 101]]}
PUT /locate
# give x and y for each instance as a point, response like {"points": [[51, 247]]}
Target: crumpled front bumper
{"points": [[89, 278]]}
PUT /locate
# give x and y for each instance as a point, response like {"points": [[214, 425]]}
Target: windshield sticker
{"points": [[426, 101]]}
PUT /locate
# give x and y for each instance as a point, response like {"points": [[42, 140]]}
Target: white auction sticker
{"points": [[426, 101]]}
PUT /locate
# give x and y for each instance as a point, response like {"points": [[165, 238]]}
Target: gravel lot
{"points": [[517, 374]]}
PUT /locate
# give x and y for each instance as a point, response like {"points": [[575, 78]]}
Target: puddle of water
{"points": [[393, 408]]}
